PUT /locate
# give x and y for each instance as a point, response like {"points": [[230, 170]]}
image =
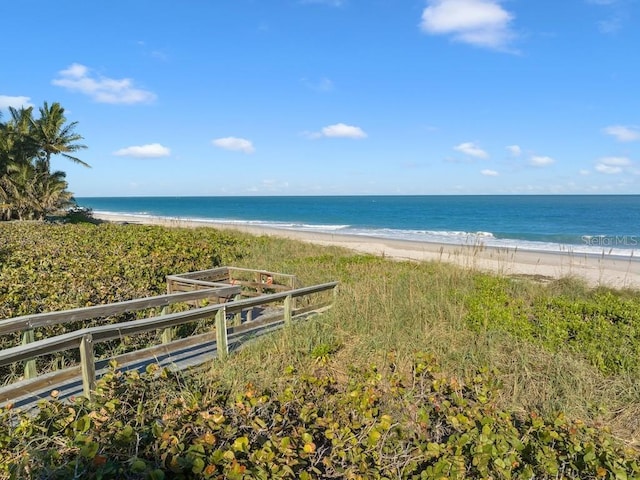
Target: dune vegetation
{"points": [[420, 370]]}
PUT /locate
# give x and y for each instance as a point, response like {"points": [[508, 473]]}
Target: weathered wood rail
{"points": [[28, 323], [234, 324]]}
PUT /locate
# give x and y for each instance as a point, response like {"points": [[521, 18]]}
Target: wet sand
{"points": [[604, 270]]}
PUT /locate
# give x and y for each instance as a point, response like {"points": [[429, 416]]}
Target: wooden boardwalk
{"points": [[248, 304]]}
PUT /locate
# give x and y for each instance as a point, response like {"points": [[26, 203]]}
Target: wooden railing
{"points": [[254, 282], [28, 323], [85, 338]]}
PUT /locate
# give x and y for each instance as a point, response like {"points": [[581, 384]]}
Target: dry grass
{"points": [[389, 308]]}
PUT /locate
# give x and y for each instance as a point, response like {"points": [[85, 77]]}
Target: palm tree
{"points": [[16, 141], [28, 188], [4, 149], [16, 152], [20, 187], [5, 199], [52, 194], [53, 137]]}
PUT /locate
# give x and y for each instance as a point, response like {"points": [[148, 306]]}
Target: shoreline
{"points": [[596, 270]]}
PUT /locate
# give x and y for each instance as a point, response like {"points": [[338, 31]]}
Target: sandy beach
{"points": [[597, 270]]}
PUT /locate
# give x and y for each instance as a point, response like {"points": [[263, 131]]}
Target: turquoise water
{"points": [[579, 223]]}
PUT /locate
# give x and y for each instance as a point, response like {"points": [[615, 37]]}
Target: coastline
{"points": [[596, 270]]}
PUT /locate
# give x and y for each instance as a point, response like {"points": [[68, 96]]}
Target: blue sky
{"points": [[326, 97]]}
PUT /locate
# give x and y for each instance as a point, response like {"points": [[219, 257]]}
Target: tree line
{"points": [[29, 190]]}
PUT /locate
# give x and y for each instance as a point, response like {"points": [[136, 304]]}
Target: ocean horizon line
{"points": [[80, 197]]}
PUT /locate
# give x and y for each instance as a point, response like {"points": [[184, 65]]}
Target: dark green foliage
{"points": [[603, 326], [378, 424], [77, 215], [395, 415], [48, 267]]}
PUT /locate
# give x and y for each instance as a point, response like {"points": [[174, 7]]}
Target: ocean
{"points": [[592, 224]]}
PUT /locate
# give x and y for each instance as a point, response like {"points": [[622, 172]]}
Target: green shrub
{"points": [[377, 424], [331, 413], [603, 326], [48, 267]]}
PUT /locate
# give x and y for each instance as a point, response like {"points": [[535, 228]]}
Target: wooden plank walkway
{"points": [[183, 354], [236, 322]]}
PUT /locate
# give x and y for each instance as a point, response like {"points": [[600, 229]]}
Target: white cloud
{"points": [[617, 15], [151, 150], [584, 172], [79, 78], [482, 23], [275, 185], [607, 169], [471, 149], [7, 101], [489, 173], [235, 144], [541, 161], [343, 131], [323, 85], [611, 25], [612, 165], [618, 161], [623, 133], [515, 150], [331, 3], [338, 130]]}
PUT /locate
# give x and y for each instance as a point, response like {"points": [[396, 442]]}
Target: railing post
{"points": [[237, 319], [221, 333], [88, 366], [259, 282], [29, 365], [287, 309], [293, 287], [167, 333]]}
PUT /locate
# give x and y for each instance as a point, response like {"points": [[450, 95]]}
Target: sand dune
{"points": [[605, 270]]}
